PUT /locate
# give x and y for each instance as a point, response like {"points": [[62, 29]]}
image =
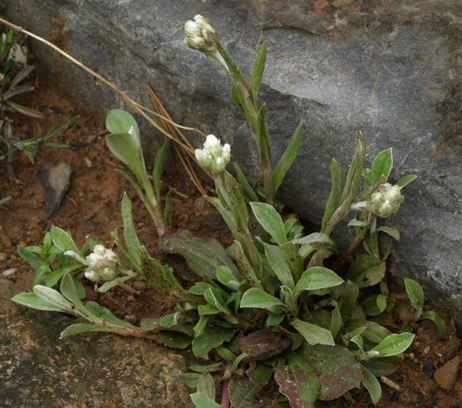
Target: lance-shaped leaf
{"points": [[371, 384], [54, 298], [33, 301], [288, 157], [416, 295], [382, 165], [280, 265], [257, 74], [271, 221], [435, 318], [297, 380], [314, 238], [393, 345], [258, 298], [355, 171], [63, 240], [203, 255], [312, 333], [206, 385], [404, 181]]}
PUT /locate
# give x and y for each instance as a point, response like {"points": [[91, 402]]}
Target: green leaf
{"points": [[105, 314], [371, 384], [382, 165], [288, 157], [247, 189], [175, 339], [317, 277], [374, 305], [157, 168], [190, 379], [270, 220], [366, 271], [68, 289], [257, 73], [280, 265], [312, 333], [337, 369], [33, 301], [110, 284], [203, 255], [297, 380], [63, 240], [127, 148], [227, 278], [30, 257], [85, 327], [335, 193], [206, 386], [404, 181], [394, 344], [258, 298], [119, 121], [314, 238], [212, 296], [393, 232], [416, 296], [245, 393], [54, 298], [435, 318], [354, 173], [226, 354], [209, 340], [373, 332]]}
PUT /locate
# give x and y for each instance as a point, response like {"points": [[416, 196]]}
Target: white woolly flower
{"points": [[385, 201], [92, 275], [200, 34], [213, 157], [101, 264]]}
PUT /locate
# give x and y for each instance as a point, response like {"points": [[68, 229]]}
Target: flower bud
{"points": [[385, 201], [213, 157], [200, 35]]}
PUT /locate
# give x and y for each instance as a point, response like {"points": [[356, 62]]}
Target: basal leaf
{"points": [[416, 295], [312, 333], [335, 193], [257, 73], [373, 332], [371, 384], [297, 380], [244, 393], [317, 277], [435, 318], [30, 257], [33, 301], [206, 386], [271, 221], [209, 340], [85, 327], [337, 369], [258, 298], [394, 344], [120, 121], [54, 298], [366, 271], [202, 401], [203, 255], [314, 238], [280, 265], [175, 339]]}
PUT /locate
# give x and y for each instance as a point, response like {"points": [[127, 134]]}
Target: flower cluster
{"points": [[213, 157], [385, 201], [101, 264], [201, 36]]}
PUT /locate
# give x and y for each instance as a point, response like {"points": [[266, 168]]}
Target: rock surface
{"points": [[39, 370], [392, 70]]}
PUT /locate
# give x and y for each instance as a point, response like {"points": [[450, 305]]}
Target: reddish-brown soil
{"points": [[92, 207]]}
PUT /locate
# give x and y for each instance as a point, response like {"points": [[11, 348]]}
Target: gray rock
{"points": [[39, 370], [391, 70]]}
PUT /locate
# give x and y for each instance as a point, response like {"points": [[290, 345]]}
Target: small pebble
{"points": [[9, 272], [395, 396], [3, 256], [428, 367]]}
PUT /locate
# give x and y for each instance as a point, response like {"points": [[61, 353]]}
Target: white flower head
{"points": [[92, 275], [385, 201], [213, 157], [200, 35]]}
